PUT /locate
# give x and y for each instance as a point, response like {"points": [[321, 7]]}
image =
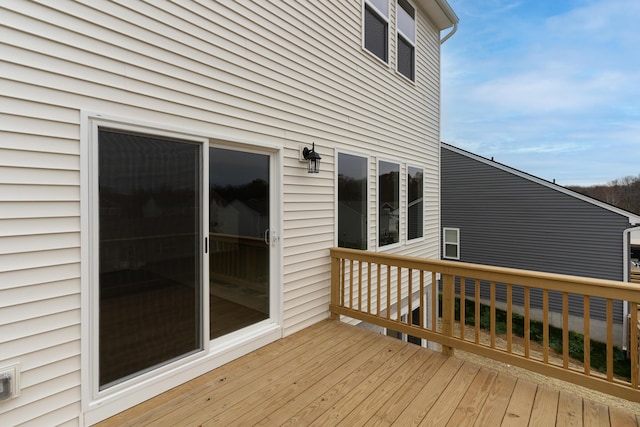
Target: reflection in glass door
{"points": [[149, 251], [238, 234]]}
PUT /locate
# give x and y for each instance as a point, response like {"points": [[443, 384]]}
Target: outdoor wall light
{"points": [[312, 158]]}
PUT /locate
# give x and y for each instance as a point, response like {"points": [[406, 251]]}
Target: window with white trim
{"points": [[406, 36], [376, 28], [352, 201], [451, 243], [415, 202], [388, 203]]}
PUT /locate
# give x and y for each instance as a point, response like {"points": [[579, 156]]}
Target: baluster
{"points": [[509, 317], [587, 335], [462, 307], [448, 307], [565, 330]]}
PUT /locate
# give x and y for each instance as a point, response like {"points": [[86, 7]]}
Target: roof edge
{"points": [[440, 13], [634, 219]]}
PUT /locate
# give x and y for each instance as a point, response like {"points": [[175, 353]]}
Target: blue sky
{"points": [[550, 87]]}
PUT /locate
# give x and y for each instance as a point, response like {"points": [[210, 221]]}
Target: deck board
{"points": [[396, 404], [569, 410], [344, 388], [336, 374], [396, 381], [233, 393], [367, 388], [429, 394], [520, 405], [497, 401], [469, 408], [595, 414], [621, 419], [449, 400], [545, 407], [253, 409], [282, 412]]}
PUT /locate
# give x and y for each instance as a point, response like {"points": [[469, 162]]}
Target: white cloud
{"points": [[559, 147], [602, 20], [550, 88]]}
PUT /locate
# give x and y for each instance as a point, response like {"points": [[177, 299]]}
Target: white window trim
{"points": [[444, 242], [387, 18], [406, 203], [408, 39], [337, 152], [401, 202]]}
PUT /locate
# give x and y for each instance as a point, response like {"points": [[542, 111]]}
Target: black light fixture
{"points": [[312, 158]]}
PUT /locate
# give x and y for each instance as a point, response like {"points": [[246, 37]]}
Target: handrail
{"points": [[378, 288]]}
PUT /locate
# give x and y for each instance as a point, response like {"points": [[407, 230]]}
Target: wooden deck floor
{"points": [[336, 374]]}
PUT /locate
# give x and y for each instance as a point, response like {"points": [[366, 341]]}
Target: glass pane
{"points": [[451, 236], [382, 6], [406, 20], [149, 253], [352, 201], [451, 251], [405, 58], [415, 202], [388, 203], [238, 255], [375, 34]]}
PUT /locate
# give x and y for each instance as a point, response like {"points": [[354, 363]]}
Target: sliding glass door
{"points": [[161, 261]]}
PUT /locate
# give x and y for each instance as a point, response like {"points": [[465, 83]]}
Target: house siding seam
{"points": [[509, 221], [277, 73]]}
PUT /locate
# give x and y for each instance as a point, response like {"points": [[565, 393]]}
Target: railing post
{"points": [[448, 310], [335, 286]]}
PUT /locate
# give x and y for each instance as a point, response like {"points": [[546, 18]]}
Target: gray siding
{"points": [[507, 220]]}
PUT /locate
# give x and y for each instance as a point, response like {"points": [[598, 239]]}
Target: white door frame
{"points": [[99, 405]]}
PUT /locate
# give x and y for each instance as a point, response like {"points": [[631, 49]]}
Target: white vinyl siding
{"points": [[39, 258], [281, 74]]}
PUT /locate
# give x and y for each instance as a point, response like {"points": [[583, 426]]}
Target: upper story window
{"points": [[406, 30], [376, 28]]}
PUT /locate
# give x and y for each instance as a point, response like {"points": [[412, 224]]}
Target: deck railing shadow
{"points": [[381, 289]]}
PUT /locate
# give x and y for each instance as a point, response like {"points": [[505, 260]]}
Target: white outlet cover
{"points": [[13, 371]]}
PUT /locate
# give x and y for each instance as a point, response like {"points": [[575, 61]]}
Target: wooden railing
{"points": [[379, 288]]}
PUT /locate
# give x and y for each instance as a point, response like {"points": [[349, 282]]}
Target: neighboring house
{"points": [[496, 215], [137, 142]]}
